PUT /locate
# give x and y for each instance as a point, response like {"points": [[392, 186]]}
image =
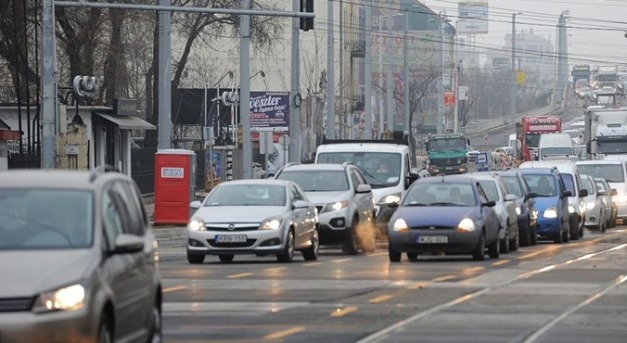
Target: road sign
{"points": [[462, 92], [449, 99]]}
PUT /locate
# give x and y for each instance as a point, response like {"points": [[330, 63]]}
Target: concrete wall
{"points": [[73, 148]]}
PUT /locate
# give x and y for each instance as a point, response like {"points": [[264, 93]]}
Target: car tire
{"points": [[349, 244], [195, 258], [603, 226], [478, 254], [515, 243], [104, 330], [368, 237], [494, 249], [505, 241], [533, 236], [311, 253], [227, 258], [524, 234], [156, 329], [573, 225], [565, 237], [559, 237], [412, 256], [288, 252], [394, 255]]}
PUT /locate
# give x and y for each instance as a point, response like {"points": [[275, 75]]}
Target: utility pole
{"points": [[390, 70], [513, 89], [49, 87], [330, 75], [244, 98], [343, 113], [164, 139], [406, 101], [294, 124], [368, 70]]}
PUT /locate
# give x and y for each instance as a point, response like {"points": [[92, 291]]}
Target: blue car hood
{"points": [[542, 203], [435, 216]]}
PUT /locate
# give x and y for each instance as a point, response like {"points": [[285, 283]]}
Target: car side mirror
{"points": [[531, 195], [613, 192], [127, 244], [300, 204], [602, 192], [363, 188], [490, 203], [511, 197], [195, 204], [566, 194], [393, 204], [410, 179], [583, 193]]}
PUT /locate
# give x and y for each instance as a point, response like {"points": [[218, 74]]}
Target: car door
{"points": [[299, 216], [365, 206], [490, 217], [510, 207]]}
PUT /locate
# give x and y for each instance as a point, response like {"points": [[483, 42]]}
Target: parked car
{"points": [[262, 217], [450, 214], [77, 259], [525, 206], [551, 202], [505, 209], [606, 193], [595, 207], [344, 202]]}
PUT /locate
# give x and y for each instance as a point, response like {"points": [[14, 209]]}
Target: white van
{"points": [[615, 172], [386, 165], [555, 144]]}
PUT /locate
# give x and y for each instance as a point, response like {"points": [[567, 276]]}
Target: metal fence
{"points": [[24, 160]]}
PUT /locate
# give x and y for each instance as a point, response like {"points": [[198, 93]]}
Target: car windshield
{"points": [[610, 172], [317, 180], [532, 140], [542, 185], [45, 219], [447, 144], [545, 152], [440, 194], [513, 185], [247, 195], [489, 186], [380, 169]]}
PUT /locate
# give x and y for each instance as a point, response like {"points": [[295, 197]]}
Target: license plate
{"points": [[230, 238], [432, 239]]}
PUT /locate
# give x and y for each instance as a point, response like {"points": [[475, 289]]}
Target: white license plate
{"points": [[432, 239], [230, 238]]}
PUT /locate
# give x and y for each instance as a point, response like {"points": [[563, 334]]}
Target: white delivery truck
{"points": [[605, 133], [555, 145], [385, 163]]}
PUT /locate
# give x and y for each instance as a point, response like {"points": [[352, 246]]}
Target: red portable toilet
{"points": [[175, 185]]}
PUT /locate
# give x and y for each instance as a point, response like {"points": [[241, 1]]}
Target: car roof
{"points": [[257, 182], [362, 147], [54, 178], [317, 166], [563, 166], [447, 178], [537, 171], [481, 175], [599, 162]]}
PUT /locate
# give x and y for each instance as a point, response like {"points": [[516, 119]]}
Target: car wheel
{"points": [[603, 226], [156, 331], [195, 258], [581, 232], [479, 253], [288, 251], [524, 234], [565, 237], [349, 244], [394, 255], [104, 330], [505, 241], [226, 258], [494, 249], [311, 253], [533, 237], [573, 223], [514, 243], [412, 256]]}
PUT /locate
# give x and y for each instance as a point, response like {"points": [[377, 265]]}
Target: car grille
{"points": [[248, 243], [16, 304], [235, 228], [432, 228]]}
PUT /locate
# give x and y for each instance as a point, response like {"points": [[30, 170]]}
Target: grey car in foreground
{"points": [[261, 217], [77, 259]]}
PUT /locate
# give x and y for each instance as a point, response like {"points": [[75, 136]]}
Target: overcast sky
{"points": [[596, 28]]}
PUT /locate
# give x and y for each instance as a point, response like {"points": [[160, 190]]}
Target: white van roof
{"points": [[361, 147]]}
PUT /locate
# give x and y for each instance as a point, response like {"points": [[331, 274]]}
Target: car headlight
{"points": [[466, 225], [392, 198], [70, 298], [272, 223], [518, 209], [197, 225], [550, 212], [590, 205], [621, 198], [335, 206], [400, 225], [571, 209]]}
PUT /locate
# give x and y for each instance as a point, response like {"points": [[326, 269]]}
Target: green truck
{"points": [[447, 153]]}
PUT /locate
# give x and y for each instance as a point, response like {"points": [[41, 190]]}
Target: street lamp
{"points": [[513, 90]]}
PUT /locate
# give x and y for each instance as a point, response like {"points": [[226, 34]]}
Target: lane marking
{"points": [[543, 330], [501, 262], [173, 289], [473, 269], [381, 298], [444, 278], [284, 333], [240, 275], [377, 254], [418, 285], [344, 311], [275, 269], [312, 264], [342, 260]]}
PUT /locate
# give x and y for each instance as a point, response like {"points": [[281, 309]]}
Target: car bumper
{"points": [[593, 217], [333, 226], [457, 242], [66, 327], [448, 170], [548, 226], [257, 242], [621, 210]]}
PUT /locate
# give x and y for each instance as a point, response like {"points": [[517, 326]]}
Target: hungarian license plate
{"points": [[432, 239], [230, 238]]}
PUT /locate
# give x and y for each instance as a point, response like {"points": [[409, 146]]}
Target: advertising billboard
{"points": [[269, 111], [473, 17]]}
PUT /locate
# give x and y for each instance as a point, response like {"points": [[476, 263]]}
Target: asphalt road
{"points": [[572, 292]]}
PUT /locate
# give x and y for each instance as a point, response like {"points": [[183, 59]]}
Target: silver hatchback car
{"points": [[77, 259]]}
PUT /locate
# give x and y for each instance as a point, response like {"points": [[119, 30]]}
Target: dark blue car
{"points": [[551, 202], [449, 214]]}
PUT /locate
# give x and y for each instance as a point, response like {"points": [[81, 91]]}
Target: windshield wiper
{"points": [[415, 204]]}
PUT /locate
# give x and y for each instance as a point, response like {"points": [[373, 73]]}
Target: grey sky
{"points": [[596, 27]]}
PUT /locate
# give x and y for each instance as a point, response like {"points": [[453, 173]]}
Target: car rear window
{"points": [[317, 180], [610, 172]]}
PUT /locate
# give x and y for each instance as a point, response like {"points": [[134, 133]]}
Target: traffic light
{"points": [[306, 24]]}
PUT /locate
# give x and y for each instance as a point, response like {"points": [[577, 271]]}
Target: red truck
{"points": [[530, 129]]}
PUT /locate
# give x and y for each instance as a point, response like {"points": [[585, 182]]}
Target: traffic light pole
{"points": [[295, 99]]}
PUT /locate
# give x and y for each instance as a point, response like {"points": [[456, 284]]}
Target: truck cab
{"points": [[448, 153]]}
